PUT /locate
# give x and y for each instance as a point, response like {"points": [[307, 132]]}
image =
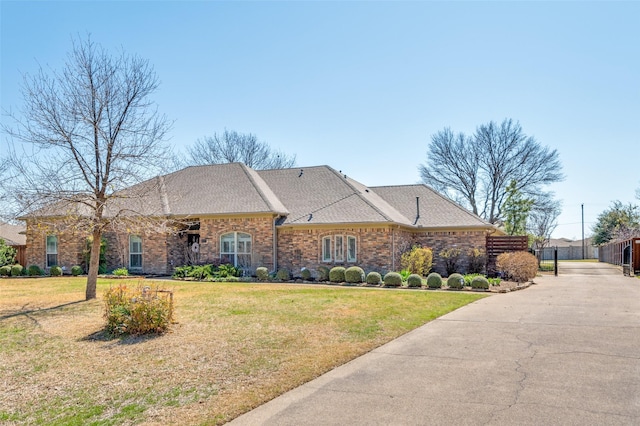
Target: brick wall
{"points": [[442, 240], [70, 246]]}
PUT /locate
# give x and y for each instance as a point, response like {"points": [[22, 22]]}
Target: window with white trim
{"points": [[235, 248], [339, 248], [351, 249], [326, 249], [135, 252], [335, 246], [52, 251]]}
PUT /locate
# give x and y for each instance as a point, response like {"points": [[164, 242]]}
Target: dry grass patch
{"points": [[234, 347]]}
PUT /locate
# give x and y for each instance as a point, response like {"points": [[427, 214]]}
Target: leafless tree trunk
{"points": [[543, 219], [231, 147], [89, 131]]}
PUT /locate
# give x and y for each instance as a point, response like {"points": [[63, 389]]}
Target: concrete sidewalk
{"points": [[565, 351]]}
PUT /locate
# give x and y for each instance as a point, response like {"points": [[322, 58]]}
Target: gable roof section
{"points": [[11, 234], [321, 195], [436, 211]]}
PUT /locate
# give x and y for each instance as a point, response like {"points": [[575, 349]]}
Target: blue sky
{"points": [[361, 86]]}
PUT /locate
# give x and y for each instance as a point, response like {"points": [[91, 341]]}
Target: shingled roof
{"points": [[12, 234], [300, 196], [436, 211]]}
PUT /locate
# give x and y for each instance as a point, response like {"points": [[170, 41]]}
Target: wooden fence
{"points": [[496, 245], [624, 253]]}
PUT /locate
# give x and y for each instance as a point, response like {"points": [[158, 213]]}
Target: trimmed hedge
{"points": [[17, 270], [76, 270], [306, 274], [5, 271], [323, 273], [434, 280], [455, 281], [336, 274], [55, 271], [374, 278], [262, 273], [354, 274], [392, 279], [34, 270], [283, 274], [414, 280], [480, 282]]}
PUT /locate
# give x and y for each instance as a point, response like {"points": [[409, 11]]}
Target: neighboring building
{"points": [[14, 235], [572, 249], [293, 218]]}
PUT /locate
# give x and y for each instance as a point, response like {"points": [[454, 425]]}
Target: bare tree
{"points": [[543, 218], [478, 169], [231, 147], [89, 131]]}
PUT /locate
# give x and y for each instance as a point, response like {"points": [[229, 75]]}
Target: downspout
{"points": [[275, 245], [393, 249]]}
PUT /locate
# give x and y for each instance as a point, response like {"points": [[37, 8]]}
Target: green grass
{"points": [[233, 347]]}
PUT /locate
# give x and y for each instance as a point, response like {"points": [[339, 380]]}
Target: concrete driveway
{"points": [[565, 351]]}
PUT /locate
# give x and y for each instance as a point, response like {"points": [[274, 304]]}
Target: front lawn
{"points": [[234, 347]]}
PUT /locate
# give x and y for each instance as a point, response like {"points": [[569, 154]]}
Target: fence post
{"points": [[555, 261]]}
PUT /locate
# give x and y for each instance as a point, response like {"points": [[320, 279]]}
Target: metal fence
{"points": [[547, 259]]}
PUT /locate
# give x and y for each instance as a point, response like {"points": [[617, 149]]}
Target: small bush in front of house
{"points": [[137, 311], [455, 281], [414, 280], [468, 278], [336, 274], [305, 274], [392, 279], [121, 272], [477, 260], [283, 274], [34, 271], [262, 273], [209, 272], [16, 270], [5, 271], [323, 273], [76, 270], [354, 274], [418, 260], [451, 258], [55, 271], [374, 278], [480, 283], [434, 280], [519, 266]]}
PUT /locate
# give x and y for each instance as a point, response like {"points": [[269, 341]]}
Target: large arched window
{"points": [[235, 248]]}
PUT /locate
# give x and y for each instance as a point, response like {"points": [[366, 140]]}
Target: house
{"points": [[292, 218], [14, 235]]}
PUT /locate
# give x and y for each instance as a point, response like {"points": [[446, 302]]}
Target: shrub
{"points": [[494, 281], [434, 280], [374, 278], [477, 260], [283, 274], [5, 271], [451, 259], [139, 311], [34, 270], [208, 272], [76, 270], [468, 278], [262, 273], [518, 266], [55, 271], [354, 274], [121, 272], [392, 279], [455, 281], [405, 274], [414, 280], [7, 254], [418, 260], [480, 282], [336, 274], [323, 273], [305, 274], [16, 270]]}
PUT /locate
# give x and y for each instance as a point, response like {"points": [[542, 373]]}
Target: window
{"points": [[337, 243], [52, 251], [326, 249], [339, 248], [351, 249], [135, 252], [235, 248]]}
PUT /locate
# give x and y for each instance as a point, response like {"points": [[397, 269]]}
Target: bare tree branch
{"points": [[231, 147], [88, 132]]}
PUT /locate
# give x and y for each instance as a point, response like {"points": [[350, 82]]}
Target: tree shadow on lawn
{"points": [[123, 339], [27, 313]]}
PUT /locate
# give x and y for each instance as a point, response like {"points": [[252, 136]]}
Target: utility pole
{"points": [[582, 231]]}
